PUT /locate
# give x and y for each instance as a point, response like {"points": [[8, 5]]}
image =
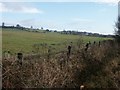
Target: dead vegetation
{"points": [[98, 67]]}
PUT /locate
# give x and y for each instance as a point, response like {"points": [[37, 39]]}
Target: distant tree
{"points": [[41, 28], [64, 31], [3, 24], [55, 30], [47, 30], [31, 27], [18, 26], [117, 30]]}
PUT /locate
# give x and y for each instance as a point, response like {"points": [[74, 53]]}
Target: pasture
{"points": [[16, 40]]}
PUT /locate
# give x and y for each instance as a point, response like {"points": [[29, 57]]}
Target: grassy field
{"points": [[18, 40], [96, 67]]}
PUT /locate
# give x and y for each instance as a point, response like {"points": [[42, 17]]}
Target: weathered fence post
{"points": [[87, 45], [20, 58], [69, 51], [94, 42], [49, 53], [99, 43]]}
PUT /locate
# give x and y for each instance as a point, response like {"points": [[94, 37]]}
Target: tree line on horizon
{"points": [[71, 32]]}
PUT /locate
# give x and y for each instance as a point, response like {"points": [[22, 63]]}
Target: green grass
{"points": [[18, 40]]}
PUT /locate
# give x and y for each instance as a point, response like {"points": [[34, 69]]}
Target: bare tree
{"points": [[117, 30]]}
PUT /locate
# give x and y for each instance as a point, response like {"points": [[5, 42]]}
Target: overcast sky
{"points": [[98, 16]]}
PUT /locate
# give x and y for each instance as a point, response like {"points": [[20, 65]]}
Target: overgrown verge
{"points": [[98, 67]]}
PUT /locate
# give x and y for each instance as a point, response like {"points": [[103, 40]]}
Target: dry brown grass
{"points": [[95, 68]]}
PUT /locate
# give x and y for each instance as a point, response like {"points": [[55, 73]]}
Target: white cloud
{"points": [[30, 10], [104, 1], [108, 2], [18, 8]]}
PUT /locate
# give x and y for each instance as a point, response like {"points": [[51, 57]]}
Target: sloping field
{"points": [[18, 40]]}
